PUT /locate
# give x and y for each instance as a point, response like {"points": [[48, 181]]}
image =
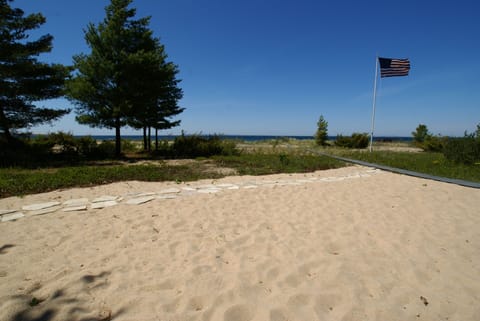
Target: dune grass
{"points": [[423, 162], [20, 181], [253, 159], [274, 163]]}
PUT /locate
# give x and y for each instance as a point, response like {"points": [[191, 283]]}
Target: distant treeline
{"points": [[247, 138]]}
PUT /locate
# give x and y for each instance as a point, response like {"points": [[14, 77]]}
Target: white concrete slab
{"points": [[172, 190], [105, 198], [12, 216], [76, 202], [226, 185], [3, 212], [39, 206], [143, 194], [167, 197], [209, 190], [99, 205], [75, 208], [44, 211], [140, 200]]}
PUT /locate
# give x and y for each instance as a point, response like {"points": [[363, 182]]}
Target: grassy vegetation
{"points": [[45, 171], [425, 162], [263, 164], [15, 181], [18, 181]]}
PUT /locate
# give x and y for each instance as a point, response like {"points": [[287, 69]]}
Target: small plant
{"points": [[283, 159], [34, 302]]}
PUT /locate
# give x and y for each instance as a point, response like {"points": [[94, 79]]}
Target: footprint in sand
{"points": [[167, 285], [293, 280], [239, 312], [278, 315], [196, 303], [298, 300]]}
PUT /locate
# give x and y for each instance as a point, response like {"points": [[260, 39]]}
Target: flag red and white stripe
{"points": [[391, 67]]}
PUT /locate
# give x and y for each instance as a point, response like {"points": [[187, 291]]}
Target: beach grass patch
{"points": [[432, 163]]}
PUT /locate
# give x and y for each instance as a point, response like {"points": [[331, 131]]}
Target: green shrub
{"points": [[198, 146], [464, 150], [106, 149], [129, 146], [433, 143], [420, 134], [357, 140], [59, 142], [86, 146]]}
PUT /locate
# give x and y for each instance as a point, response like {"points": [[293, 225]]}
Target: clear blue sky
{"points": [[271, 67]]}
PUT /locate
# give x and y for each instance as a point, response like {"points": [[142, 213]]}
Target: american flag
{"points": [[390, 67]]}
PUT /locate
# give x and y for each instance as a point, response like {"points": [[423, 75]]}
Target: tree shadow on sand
{"points": [[4, 248], [65, 303]]}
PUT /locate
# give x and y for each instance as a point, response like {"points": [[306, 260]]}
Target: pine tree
{"points": [[23, 79], [322, 132], [158, 96], [121, 81]]}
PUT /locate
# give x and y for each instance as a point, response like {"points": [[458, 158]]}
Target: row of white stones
{"points": [[82, 204]]}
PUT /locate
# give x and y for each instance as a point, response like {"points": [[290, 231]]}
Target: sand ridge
{"points": [[381, 247]]}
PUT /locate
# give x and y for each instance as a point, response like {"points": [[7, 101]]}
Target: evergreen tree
{"points": [[115, 81], [23, 79], [168, 102], [420, 134], [158, 97], [322, 132]]}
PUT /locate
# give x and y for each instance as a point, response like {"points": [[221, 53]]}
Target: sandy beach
{"points": [[346, 244]]}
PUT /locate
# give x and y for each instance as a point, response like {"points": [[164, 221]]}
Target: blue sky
{"points": [[272, 67]]}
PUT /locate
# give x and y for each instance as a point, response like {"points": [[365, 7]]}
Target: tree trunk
{"points": [[118, 141], [149, 139], [144, 138], [156, 139], [5, 127]]}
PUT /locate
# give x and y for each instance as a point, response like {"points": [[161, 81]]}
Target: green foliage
{"points": [[87, 146], [284, 161], [357, 140], [322, 132], [192, 146], [463, 150], [428, 163], [129, 146], [423, 139], [23, 79], [272, 163], [125, 79], [420, 134], [433, 143], [59, 142], [14, 181]]}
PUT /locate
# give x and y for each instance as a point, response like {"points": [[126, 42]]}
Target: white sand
{"points": [[382, 247]]}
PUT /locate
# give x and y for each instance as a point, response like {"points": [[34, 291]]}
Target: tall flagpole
{"points": [[374, 101]]}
